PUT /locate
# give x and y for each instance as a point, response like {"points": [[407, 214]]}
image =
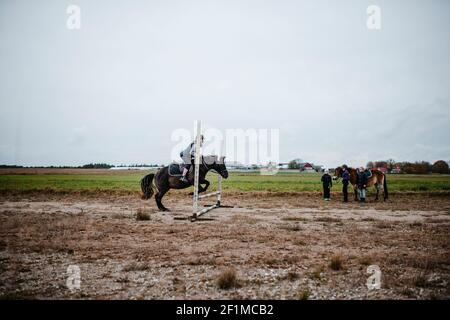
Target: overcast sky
{"points": [[115, 90]]}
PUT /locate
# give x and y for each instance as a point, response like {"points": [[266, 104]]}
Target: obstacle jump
{"points": [[196, 212]]}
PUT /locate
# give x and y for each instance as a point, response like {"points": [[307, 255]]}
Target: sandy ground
{"points": [[281, 246]]}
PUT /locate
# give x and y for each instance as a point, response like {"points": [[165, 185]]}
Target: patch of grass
{"points": [[197, 261], [294, 219], [24, 269], [123, 280], [426, 263], [408, 292], [271, 261], [179, 285], [228, 279], [303, 294], [18, 295], [257, 281], [435, 220], [316, 274], [142, 215], [328, 219], [299, 242], [416, 224], [292, 276], [136, 266], [128, 181], [291, 227], [337, 262], [383, 225], [291, 259], [421, 281], [366, 260], [118, 216]]}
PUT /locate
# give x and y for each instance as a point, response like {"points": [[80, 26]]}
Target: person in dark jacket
{"points": [[361, 182], [345, 182], [327, 184]]}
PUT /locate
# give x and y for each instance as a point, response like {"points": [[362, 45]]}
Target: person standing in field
{"points": [[327, 184], [361, 182], [345, 182], [188, 156]]}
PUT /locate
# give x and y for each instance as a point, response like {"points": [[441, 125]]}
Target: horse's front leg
{"points": [[200, 188], [203, 189], [355, 190]]}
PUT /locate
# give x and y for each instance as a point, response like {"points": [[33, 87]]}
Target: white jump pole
{"points": [[195, 209], [197, 165]]}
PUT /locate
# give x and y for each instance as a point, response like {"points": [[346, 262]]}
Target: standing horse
{"points": [[378, 180], [162, 181]]}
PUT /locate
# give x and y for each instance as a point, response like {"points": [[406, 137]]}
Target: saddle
{"points": [[176, 169]]}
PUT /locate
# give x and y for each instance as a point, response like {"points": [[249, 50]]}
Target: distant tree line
{"points": [[97, 166], [136, 165], [418, 167]]}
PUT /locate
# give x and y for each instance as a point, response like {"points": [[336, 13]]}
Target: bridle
{"points": [[208, 168]]}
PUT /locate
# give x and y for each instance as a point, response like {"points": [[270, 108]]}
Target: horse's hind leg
{"points": [[356, 194], [158, 198]]}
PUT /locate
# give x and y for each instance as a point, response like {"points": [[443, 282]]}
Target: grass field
{"points": [[284, 244], [108, 180]]}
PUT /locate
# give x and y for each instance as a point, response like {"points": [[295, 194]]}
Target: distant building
{"points": [[234, 165], [307, 168], [283, 166], [318, 168], [298, 160], [302, 166], [396, 170]]}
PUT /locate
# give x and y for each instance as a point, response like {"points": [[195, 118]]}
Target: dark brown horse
{"points": [[378, 180], [162, 181]]}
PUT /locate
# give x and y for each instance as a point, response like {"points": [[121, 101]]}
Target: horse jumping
{"points": [[162, 181], [378, 180]]}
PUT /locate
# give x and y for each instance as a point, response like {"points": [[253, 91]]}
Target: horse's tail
{"points": [[146, 186], [385, 189]]}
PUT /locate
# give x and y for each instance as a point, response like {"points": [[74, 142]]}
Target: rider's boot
{"points": [[183, 178]]}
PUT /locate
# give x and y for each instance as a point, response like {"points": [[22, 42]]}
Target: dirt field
{"points": [[280, 246]]}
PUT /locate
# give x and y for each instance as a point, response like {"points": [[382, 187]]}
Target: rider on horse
{"points": [[188, 156]]}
